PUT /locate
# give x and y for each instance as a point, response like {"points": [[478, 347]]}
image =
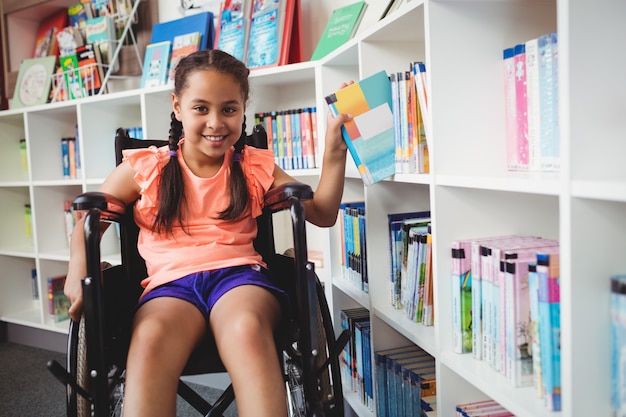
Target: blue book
{"points": [[156, 64], [370, 134], [200, 22], [550, 328], [618, 341]]}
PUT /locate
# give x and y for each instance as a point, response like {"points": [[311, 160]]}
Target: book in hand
{"points": [[369, 135], [156, 64], [234, 24], [33, 81], [341, 27]]}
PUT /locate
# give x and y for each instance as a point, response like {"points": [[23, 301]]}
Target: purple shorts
{"points": [[204, 288]]}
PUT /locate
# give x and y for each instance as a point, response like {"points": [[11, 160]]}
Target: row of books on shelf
{"points": [[532, 105], [354, 249], [292, 135], [411, 278], [405, 382], [506, 310], [618, 344]]}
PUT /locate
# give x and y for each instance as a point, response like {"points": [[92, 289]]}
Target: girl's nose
{"points": [[214, 120]]}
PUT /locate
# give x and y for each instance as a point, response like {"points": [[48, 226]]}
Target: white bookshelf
{"points": [[468, 191]]}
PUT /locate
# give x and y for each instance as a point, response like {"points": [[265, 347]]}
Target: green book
{"points": [[341, 27]]}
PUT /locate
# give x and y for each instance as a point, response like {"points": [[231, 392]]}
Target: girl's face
{"points": [[211, 110]]}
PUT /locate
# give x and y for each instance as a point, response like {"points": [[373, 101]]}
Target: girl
{"points": [[196, 208]]}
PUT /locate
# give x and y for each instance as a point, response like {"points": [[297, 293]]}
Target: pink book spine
{"points": [[521, 99], [509, 109]]}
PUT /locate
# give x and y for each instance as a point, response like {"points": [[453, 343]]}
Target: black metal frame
{"points": [[104, 341]]}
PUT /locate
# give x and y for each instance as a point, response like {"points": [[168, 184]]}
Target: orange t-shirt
{"points": [[208, 243]]}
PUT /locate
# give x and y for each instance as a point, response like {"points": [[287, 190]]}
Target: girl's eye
{"points": [[229, 110], [200, 109]]}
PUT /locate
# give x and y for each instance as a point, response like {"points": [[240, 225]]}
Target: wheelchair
{"points": [[97, 345]]}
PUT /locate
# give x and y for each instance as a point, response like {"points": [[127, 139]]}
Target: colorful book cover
{"points": [[533, 296], [182, 46], [231, 34], [73, 80], [521, 106], [68, 39], [461, 296], [156, 64], [57, 301], [370, 134], [100, 31], [90, 68], [197, 22], [341, 27], [33, 81], [265, 38]]}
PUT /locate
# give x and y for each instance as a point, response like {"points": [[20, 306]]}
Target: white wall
{"points": [[315, 15]]}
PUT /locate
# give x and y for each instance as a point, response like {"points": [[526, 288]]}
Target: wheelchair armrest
{"points": [[111, 207], [279, 198]]}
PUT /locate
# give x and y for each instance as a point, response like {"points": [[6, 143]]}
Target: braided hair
{"points": [[172, 199]]}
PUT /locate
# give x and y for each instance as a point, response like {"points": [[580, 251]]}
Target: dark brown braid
{"points": [[239, 195], [171, 188]]}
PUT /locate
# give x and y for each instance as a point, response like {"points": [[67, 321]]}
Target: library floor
{"points": [[27, 388]]}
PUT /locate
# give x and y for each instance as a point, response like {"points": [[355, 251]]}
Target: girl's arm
{"points": [[322, 209], [120, 184]]}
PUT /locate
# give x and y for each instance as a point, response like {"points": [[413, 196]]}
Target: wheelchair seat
{"points": [[98, 344]]}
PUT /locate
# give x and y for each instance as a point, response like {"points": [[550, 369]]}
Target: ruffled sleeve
{"points": [[147, 164], [258, 167]]}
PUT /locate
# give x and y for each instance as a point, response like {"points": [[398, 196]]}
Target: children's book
{"points": [[90, 66], [33, 81], [57, 301], [182, 46], [198, 22], [274, 37], [341, 27], [68, 40], [78, 14], [231, 34], [73, 80], [156, 64], [548, 276], [100, 31], [370, 134], [45, 39], [618, 341], [461, 296]]}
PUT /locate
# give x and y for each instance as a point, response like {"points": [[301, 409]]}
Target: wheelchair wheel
{"points": [[328, 399], [79, 406]]}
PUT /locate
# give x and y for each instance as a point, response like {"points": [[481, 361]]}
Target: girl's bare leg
{"points": [[165, 332], [243, 322]]}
